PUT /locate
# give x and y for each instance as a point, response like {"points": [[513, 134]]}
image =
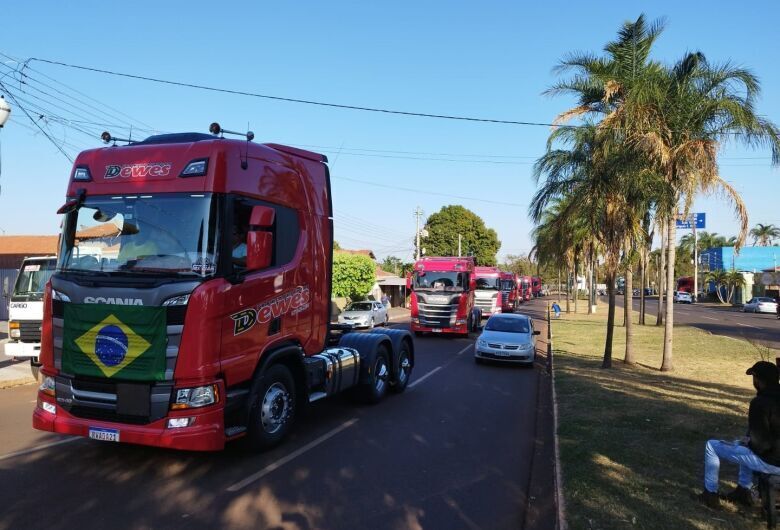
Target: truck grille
{"points": [[505, 296], [486, 305], [436, 316], [29, 330]]}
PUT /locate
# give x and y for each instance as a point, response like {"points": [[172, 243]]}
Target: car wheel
{"points": [[271, 407], [387, 320]]}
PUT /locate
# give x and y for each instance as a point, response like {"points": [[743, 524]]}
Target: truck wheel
{"points": [[271, 407], [404, 370], [35, 369], [373, 391]]}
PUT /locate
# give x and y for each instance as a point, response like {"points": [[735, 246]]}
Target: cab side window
{"points": [[285, 230]]}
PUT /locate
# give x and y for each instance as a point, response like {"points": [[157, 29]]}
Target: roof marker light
{"points": [[82, 174], [196, 168]]}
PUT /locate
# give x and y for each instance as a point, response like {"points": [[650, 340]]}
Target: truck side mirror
{"points": [[472, 283], [260, 239]]}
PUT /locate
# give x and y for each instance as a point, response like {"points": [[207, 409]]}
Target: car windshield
{"points": [[360, 306], [765, 300], [439, 281], [507, 285], [171, 234], [507, 325], [32, 280], [487, 282]]}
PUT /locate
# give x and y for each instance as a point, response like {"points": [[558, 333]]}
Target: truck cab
{"points": [[191, 300], [25, 309], [487, 296], [510, 291], [442, 296]]}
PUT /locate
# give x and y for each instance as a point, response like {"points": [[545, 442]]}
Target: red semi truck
{"points": [[510, 292], [487, 296], [442, 296], [536, 286], [526, 288], [191, 301]]}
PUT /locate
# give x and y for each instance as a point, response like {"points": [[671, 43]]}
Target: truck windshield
{"points": [[32, 279], [486, 282], [440, 281], [507, 285], [169, 234]]}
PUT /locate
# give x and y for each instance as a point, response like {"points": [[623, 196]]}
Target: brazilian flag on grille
{"points": [[125, 342]]}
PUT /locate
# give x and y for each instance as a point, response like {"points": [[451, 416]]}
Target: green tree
{"points": [[519, 264], [763, 235], [336, 245], [476, 239], [353, 275], [392, 264]]}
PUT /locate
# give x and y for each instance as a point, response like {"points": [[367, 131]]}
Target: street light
{"points": [[5, 113]]}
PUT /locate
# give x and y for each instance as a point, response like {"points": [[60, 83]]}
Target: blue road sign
{"points": [[697, 219]]}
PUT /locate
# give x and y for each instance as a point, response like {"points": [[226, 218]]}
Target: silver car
{"points": [[760, 304], [507, 338], [364, 315]]}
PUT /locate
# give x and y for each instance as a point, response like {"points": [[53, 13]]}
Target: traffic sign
{"points": [[695, 219]]}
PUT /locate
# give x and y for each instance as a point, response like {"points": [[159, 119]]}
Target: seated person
{"points": [[239, 247], [759, 451]]}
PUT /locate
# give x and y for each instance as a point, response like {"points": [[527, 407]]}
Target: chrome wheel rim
{"points": [[405, 368], [276, 408], [380, 375]]}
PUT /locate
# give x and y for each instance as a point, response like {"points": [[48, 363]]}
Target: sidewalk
{"points": [[12, 372]]}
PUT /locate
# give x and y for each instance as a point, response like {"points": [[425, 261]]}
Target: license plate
{"points": [[436, 330], [104, 435]]}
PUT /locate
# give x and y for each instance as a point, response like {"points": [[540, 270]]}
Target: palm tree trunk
{"points": [[576, 283], [659, 319], [559, 284], [568, 289], [642, 267], [607, 362], [667, 365], [629, 303]]}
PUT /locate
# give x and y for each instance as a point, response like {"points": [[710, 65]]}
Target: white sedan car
{"points": [[365, 315], [760, 304], [683, 297]]}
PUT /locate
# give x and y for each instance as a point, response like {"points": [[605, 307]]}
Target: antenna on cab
{"points": [[216, 129]]}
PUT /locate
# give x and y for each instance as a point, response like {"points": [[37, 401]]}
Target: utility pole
{"points": [[459, 239], [695, 263], [418, 214]]}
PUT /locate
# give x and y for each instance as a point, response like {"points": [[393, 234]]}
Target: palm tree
{"points": [[720, 279], [688, 111], [763, 235]]}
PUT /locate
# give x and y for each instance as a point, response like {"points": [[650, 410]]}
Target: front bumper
{"points": [[512, 356], [22, 349], [457, 328], [206, 434]]}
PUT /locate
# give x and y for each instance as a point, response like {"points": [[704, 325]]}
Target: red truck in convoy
{"points": [[442, 296], [191, 301], [526, 288], [536, 286], [510, 292], [685, 284], [487, 296]]}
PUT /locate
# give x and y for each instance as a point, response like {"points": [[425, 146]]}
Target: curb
{"points": [[16, 382], [559, 500]]}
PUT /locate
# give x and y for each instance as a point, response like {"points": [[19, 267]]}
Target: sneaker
{"points": [[709, 499], [743, 496]]}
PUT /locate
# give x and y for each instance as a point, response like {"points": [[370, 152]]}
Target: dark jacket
{"points": [[764, 425]]}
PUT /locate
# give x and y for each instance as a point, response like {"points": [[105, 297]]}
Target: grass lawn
{"points": [[632, 438]]}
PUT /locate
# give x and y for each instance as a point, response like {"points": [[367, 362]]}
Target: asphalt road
{"points": [[454, 451], [758, 327]]}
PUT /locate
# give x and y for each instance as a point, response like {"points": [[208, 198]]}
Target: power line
{"points": [[61, 150], [425, 192], [296, 100]]}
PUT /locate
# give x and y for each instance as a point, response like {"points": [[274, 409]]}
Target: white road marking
{"points": [[423, 378], [38, 448], [708, 318], [295, 454], [746, 325]]}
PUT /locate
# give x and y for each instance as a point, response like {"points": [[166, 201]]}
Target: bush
{"points": [[353, 275]]}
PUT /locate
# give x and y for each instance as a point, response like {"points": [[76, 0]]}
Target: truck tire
{"points": [[271, 407], [372, 392], [402, 360], [404, 370], [420, 333]]}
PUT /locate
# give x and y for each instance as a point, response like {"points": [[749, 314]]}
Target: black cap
{"points": [[765, 371]]}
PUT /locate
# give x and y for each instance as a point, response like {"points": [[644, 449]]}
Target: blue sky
{"points": [[490, 59]]}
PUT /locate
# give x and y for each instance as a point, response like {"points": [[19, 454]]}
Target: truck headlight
{"points": [[62, 297], [47, 386], [177, 300], [199, 396], [14, 330]]}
